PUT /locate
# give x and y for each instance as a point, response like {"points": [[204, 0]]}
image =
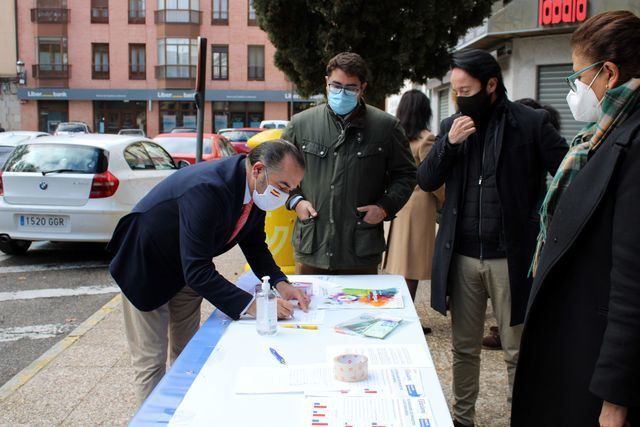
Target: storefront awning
{"points": [[157, 95]]}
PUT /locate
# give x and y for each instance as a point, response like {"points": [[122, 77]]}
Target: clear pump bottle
{"points": [[266, 308]]}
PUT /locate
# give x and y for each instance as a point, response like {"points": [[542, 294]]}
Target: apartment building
{"points": [[118, 64], [9, 106]]}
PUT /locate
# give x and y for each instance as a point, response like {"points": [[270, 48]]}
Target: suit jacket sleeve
{"points": [[401, 168], [200, 228], [433, 171], [616, 377], [553, 147], [255, 249]]}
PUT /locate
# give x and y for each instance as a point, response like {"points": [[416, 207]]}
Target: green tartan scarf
{"points": [[616, 107]]}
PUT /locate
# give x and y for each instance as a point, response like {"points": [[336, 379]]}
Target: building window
{"points": [[178, 12], [220, 12], [52, 113], [112, 116], [100, 11], [256, 63], [137, 62], [100, 61], [220, 62], [137, 11], [52, 58], [175, 114], [251, 18], [177, 58], [50, 11], [237, 114]]}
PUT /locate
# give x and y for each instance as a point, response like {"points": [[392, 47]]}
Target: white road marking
{"points": [[51, 267], [57, 292], [33, 332]]}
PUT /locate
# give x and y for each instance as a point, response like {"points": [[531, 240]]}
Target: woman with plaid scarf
{"points": [[580, 352]]}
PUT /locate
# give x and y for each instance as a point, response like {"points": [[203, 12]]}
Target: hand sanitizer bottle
{"points": [[266, 309]]}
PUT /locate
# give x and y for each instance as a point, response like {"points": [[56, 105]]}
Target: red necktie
{"points": [[242, 220]]}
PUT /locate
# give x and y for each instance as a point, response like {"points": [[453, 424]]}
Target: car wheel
{"points": [[15, 247]]}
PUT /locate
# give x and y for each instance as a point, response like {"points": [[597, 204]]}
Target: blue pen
{"points": [[277, 355]]}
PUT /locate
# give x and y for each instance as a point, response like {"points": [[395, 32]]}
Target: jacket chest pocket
{"points": [[313, 150], [371, 161]]}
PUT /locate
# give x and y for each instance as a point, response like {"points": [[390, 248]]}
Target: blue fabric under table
{"points": [[166, 397]]}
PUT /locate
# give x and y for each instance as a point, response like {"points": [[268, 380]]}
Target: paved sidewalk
{"points": [[85, 379]]}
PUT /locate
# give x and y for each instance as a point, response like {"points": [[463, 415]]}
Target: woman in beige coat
{"points": [[413, 231]]}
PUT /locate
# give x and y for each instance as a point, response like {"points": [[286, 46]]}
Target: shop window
{"points": [[137, 62], [177, 58], [252, 19], [100, 11], [100, 61], [52, 113], [220, 12], [220, 62], [256, 63], [237, 114], [177, 115], [137, 11]]}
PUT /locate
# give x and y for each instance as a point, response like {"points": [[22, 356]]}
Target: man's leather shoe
{"points": [[457, 423], [492, 341]]}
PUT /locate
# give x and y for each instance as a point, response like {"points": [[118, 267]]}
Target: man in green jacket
{"points": [[359, 172]]}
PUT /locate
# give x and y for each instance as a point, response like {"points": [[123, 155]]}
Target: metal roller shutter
{"points": [[552, 90], [443, 104]]}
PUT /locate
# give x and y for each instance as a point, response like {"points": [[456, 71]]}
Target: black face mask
{"points": [[475, 106]]}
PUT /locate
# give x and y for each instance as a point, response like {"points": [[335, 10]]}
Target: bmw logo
{"points": [[43, 185]]}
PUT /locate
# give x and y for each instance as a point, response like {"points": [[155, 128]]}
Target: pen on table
{"points": [[277, 355], [288, 325]]}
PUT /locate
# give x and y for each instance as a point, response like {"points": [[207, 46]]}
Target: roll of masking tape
{"points": [[350, 367]]}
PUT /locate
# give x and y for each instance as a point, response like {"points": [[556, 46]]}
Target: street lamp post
{"points": [[20, 72]]}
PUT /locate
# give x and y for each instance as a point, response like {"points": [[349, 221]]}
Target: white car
{"points": [[274, 124], [68, 128], [9, 140], [75, 188]]}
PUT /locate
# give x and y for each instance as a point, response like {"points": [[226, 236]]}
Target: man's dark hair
{"points": [[271, 153], [480, 65], [414, 113], [554, 115], [351, 63]]}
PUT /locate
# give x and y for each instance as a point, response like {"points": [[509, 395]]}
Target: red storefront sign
{"points": [[552, 12]]}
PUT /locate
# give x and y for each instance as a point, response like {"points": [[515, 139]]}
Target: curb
{"points": [[24, 376]]}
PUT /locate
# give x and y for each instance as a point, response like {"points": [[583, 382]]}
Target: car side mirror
{"points": [[183, 164]]}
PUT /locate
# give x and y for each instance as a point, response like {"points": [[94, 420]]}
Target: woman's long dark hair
{"points": [[414, 113]]}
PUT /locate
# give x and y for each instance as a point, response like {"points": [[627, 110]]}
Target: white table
{"points": [[210, 399]]}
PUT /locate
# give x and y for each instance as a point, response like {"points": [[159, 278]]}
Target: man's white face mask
{"points": [[271, 199]]}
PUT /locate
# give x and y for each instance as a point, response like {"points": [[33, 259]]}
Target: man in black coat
{"points": [[164, 250], [492, 157]]}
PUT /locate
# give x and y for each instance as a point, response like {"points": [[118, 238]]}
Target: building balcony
{"points": [[50, 15], [178, 16], [164, 72], [137, 16], [51, 71], [255, 73]]}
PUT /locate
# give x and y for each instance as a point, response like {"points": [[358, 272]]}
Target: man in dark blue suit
{"points": [[164, 250]]}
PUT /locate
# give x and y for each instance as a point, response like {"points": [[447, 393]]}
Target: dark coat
{"points": [[527, 147], [170, 237], [366, 161], [581, 339]]}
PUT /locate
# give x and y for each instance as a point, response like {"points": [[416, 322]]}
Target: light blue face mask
{"points": [[342, 103]]}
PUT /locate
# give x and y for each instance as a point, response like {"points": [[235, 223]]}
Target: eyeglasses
{"points": [[336, 88], [571, 80]]}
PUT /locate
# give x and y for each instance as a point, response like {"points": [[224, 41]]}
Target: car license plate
{"points": [[43, 222]]}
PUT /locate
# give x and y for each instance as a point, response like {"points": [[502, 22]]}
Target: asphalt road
{"points": [[44, 295]]}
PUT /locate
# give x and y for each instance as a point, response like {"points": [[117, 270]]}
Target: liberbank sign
{"points": [[156, 95]]}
